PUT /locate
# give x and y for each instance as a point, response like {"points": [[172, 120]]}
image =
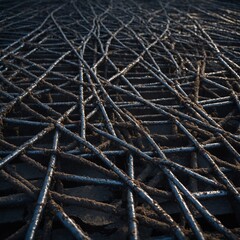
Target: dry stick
{"points": [[57, 74], [26, 36], [42, 198], [93, 75], [76, 159], [28, 143], [31, 87], [26, 186], [81, 103], [205, 213], [189, 105], [193, 224], [43, 194], [30, 110], [219, 172], [211, 44], [111, 101], [54, 206], [196, 231], [157, 109], [20, 149], [95, 23], [149, 67], [188, 215], [183, 205], [70, 177], [164, 162], [105, 55], [69, 43], [133, 232], [103, 110], [216, 169], [34, 85], [183, 99], [141, 193], [12, 53], [186, 211], [197, 83], [19, 89], [45, 106], [212, 220], [42, 80]]}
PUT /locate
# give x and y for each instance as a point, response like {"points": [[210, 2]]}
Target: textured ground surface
{"points": [[119, 120]]}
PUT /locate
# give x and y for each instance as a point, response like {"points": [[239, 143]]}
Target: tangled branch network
{"points": [[119, 119]]}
